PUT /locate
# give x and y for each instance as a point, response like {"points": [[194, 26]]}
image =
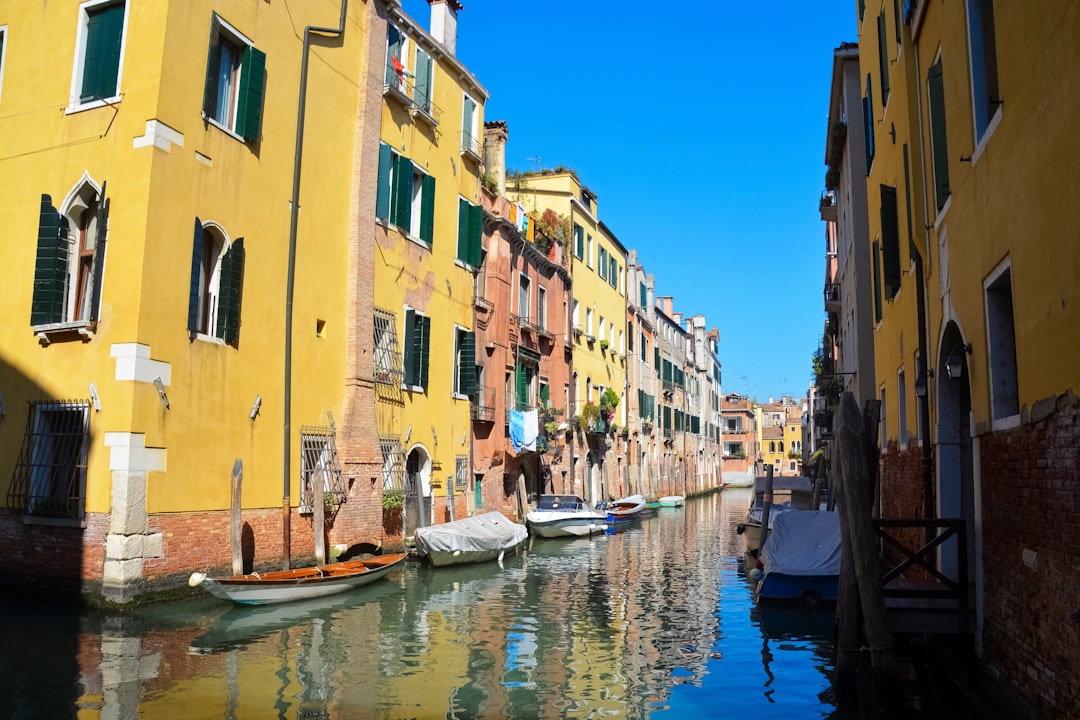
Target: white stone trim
{"points": [[133, 363], [129, 453], [158, 135]]}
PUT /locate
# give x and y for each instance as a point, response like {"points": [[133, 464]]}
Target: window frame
{"points": [[33, 470], [409, 343], [470, 140], [214, 308], [247, 92], [75, 96], [982, 88], [463, 382], [1002, 369], [3, 54]]}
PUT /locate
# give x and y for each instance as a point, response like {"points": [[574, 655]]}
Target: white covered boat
{"points": [[672, 501], [565, 516], [800, 560], [471, 540]]}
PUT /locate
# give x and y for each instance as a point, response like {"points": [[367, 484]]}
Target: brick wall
{"points": [[53, 556], [902, 495], [1031, 558]]}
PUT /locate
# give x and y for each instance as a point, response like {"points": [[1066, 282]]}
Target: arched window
{"points": [[217, 278]]}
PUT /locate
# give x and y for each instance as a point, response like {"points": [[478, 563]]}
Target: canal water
{"points": [[653, 621]]}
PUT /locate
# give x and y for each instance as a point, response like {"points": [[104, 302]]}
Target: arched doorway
{"points": [[955, 460], [417, 490]]}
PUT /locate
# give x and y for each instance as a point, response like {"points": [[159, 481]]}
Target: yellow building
{"points": [[157, 327], [428, 244], [598, 317], [983, 218]]}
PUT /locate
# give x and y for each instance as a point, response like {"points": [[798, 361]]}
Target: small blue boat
{"points": [[800, 561]]}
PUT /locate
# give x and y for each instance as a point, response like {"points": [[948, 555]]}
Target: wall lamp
{"points": [[921, 383], [954, 364], [255, 407]]}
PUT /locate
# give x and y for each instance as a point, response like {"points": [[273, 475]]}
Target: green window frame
{"points": [[465, 362], [579, 242], [423, 80], [938, 138], [470, 246], [602, 268], [876, 252], [868, 124], [890, 241], [102, 43], [227, 290], [235, 77], [51, 267], [883, 58], [417, 341], [613, 272], [644, 296]]}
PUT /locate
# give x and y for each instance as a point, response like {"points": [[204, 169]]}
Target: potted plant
{"points": [[393, 498], [604, 345], [590, 415]]}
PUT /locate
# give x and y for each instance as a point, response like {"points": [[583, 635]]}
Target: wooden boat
{"points": [[672, 501], [800, 560], [470, 540], [625, 509], [564, 516], [299, 584]]}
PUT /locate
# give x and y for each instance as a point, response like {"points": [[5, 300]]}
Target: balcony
{"points": [[524, 404], [400, 86], [827, 206], [470, 147], [482, 408], [832, 297]]}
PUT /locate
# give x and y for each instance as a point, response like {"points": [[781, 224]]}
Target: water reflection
{"points": [[653, 620]]}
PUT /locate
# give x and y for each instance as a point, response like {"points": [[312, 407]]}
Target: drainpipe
{"points": [[294, 215]]}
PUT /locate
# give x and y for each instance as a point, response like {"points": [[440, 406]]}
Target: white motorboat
{"points": [[671, 501], [565, 516]]}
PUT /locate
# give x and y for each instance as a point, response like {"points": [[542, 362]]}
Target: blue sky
{"points": [[701, 127]]}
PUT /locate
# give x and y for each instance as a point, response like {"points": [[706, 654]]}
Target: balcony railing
{"points": [[483, 405], [470, 146], [400, 85], [513, 402], [832, 297]]}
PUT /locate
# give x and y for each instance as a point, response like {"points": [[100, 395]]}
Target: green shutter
{"points": [[393, 49], [424, 337], [877, 281], [644, 297], [521, 387], [98, 268], [656, 359], [579, 241], [427, 209], [252, 85], [896, 18], [196, 280], [890, 241], [545, 394], [230, 292], [213, 59], [382, 191], [476, 234], [422, 86], [613, 273], [101, 61], [401, 203], [467, 364], [883, 58], [937, 131], [408, 360], [51, 266], [868, 124], [668, 377], [463, 224], [601, 266], [862, 9]]}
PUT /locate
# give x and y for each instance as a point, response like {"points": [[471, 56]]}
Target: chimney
{"points": [[650, 296], [496, 133], [444, 23]]}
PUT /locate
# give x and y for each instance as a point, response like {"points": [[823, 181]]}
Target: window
{"points": [[734, 450], [523, 298], [470, 249], [541, 308], [603, 329], [890, 241], [393, 463], [613, 273], [424, 77], [396, 44], [588, 321], [417, 340], [320, 474], [576, 316], [464, 362], [579, 242], [470, 139], [387, 361], [525, 377], [901, 408], [1001, 333], [50, 474], [876, 258], [984, 75], [3, 37], [588, 251], [939, 146], [235, 79], [461, 473], [644, 296], [405, 196], [98, 53], [733, 425], [868, 123], [881, 419], [545, 394], [217, 279], [602, 264], [883, 58], [70, 259]]}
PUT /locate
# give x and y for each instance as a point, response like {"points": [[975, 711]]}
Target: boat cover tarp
{"points": [[803, 542], [489, 531]]}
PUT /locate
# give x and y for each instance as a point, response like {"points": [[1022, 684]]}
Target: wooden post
{"points": [[819, 480], [766, 508], [318, 508], [855, 478], [235, 528]]}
